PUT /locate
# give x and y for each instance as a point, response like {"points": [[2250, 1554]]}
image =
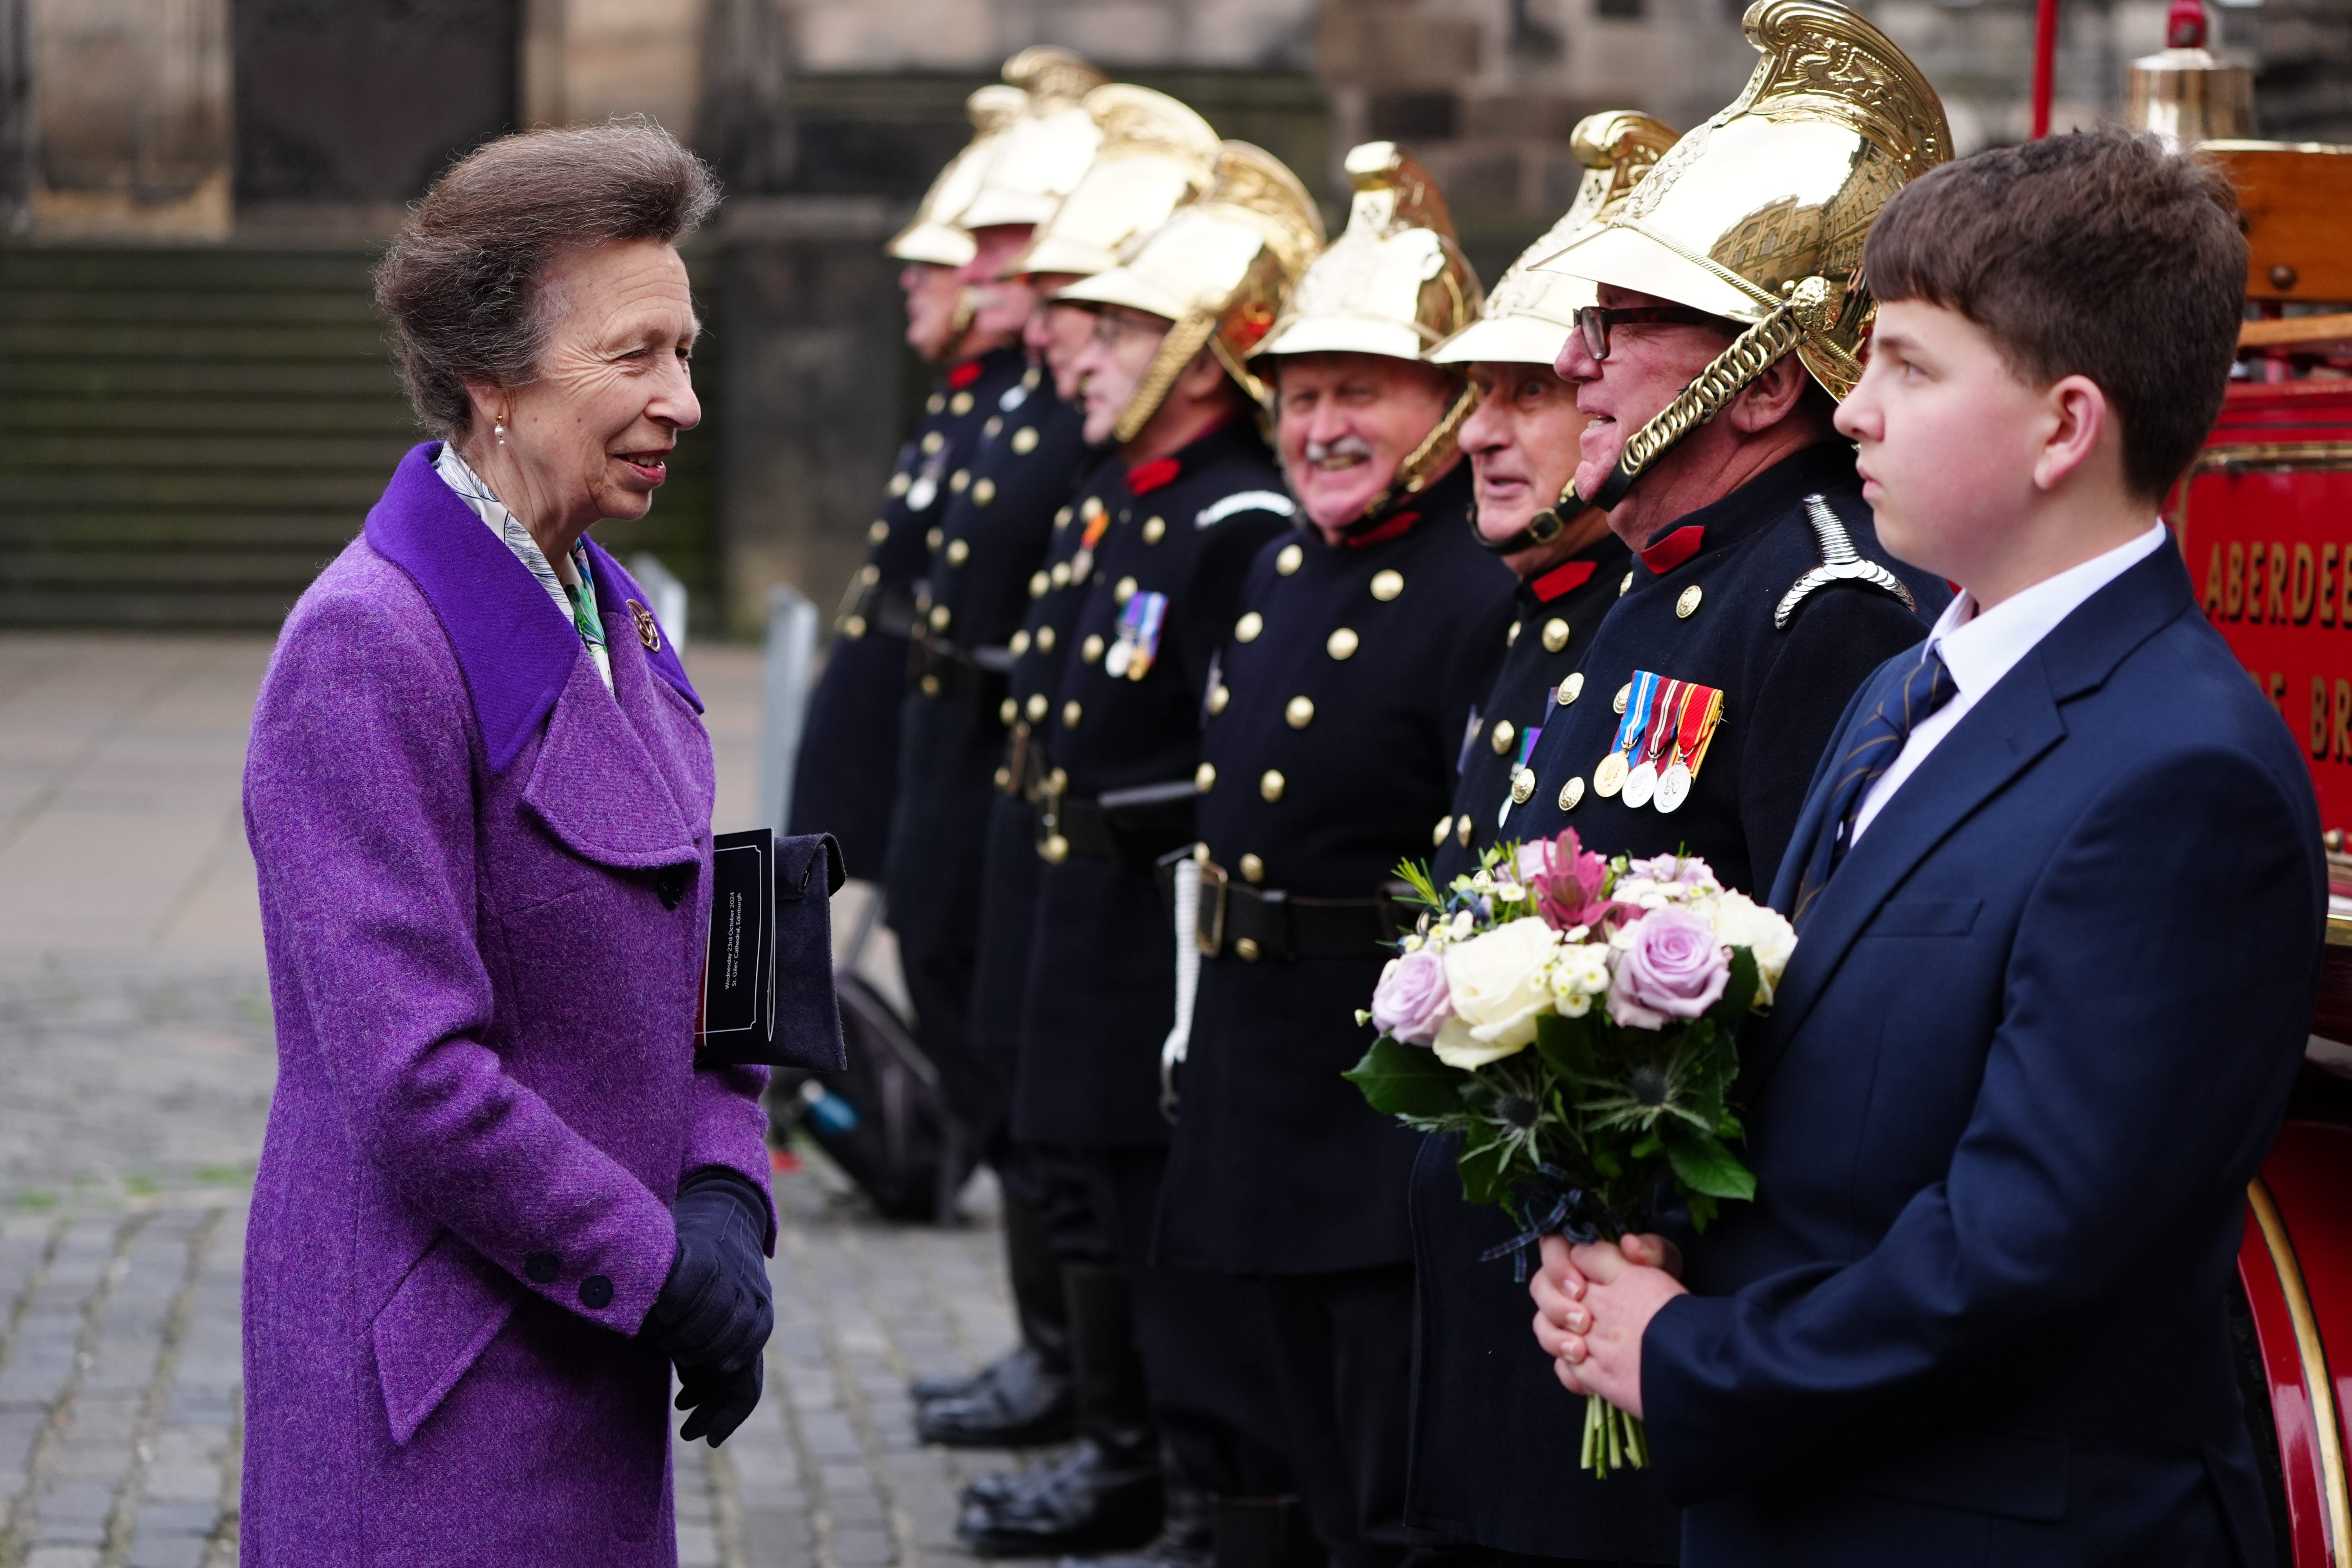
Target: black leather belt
{"points": [[937, 667], [1133, 828], [1026, 768], [1258, 923], [887, 608]]}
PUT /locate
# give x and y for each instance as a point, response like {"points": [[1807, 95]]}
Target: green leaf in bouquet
{"points": [[1486, 1171], [1398, 1079], [1704, 1165], [1739, 992], [1566, 1045], [1415, 874], [1606, 1163], [1646, 1145], [1702, 1209]]}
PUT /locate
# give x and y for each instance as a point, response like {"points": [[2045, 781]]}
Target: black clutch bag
{"points": [[767, 978]]}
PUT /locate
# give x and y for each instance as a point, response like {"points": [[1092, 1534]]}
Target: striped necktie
{"points": [[1878, 742]]}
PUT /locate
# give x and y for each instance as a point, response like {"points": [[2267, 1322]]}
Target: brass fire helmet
{"points": [[1529, 314], [1395, 283], [1156, 154], [1218, 270], [935, 237], [1527, 317], [1759, 215], [1040, 157]]}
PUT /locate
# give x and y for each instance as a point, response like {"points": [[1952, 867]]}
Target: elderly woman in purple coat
{"points": [[498, 1199]]}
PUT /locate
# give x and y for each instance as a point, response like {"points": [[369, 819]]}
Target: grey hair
{"points": [[460, 284]]}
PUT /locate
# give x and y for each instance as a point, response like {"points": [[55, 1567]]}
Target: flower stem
{"points": [[1614, 1440]]}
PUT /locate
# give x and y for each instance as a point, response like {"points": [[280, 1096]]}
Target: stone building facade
{"points": [[302, 125]]}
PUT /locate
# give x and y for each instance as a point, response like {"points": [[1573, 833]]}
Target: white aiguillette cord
{"points": [[1188, 979]]}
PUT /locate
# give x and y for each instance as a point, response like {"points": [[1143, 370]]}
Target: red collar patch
{"points": [[963, 375], [1664, 555], [1400, 524], [1561, 578], [1145, 477]]}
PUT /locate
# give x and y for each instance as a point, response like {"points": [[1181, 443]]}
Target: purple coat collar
{"points": [[515, 657]]}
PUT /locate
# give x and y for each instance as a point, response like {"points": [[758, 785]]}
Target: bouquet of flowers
{"points": [[1574, 1019]]}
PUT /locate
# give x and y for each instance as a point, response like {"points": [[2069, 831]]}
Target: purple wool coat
{"points": [[486, 1091]]}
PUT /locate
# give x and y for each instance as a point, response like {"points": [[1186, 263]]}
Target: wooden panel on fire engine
{"points": [[2295, 195]]}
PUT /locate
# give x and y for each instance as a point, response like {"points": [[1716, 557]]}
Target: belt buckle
{"points": [[1208, 929]]}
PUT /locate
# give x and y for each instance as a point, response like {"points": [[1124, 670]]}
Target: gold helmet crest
{"points": [[1758, 215], [1395, 282], [934, 236], [1040, 157], [1156, 154], [1530, 313], [1220, 270]]}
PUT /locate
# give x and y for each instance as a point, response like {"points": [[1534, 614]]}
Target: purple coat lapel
{"points": [[517, 657]]}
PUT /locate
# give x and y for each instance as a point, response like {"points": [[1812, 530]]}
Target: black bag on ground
{"points": [[881, 1118]]}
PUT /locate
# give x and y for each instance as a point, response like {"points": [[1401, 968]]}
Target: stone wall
{"points": [[130, 117]]}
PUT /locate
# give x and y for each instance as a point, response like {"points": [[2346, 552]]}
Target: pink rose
{"points": [[1410, 1002], [1567, 880], [1674, 968]]}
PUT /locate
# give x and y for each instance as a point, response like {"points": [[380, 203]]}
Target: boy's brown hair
{"points": [[2096, 254]]}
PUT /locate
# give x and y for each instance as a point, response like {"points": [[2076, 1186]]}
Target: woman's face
{"points": [[589, 438]]}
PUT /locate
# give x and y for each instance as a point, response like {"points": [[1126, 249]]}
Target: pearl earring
{"points": [[500, 432]]}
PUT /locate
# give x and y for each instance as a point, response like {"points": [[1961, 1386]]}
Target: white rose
{"points": [[1740, 921], [1499, 986]]}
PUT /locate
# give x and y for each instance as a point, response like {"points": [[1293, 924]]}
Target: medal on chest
{"points": [[1699, 710], [1615, 770], [1097, 523], [1139, 621]]}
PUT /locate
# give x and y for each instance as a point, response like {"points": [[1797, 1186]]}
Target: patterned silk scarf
{"points": [[573, 592]]}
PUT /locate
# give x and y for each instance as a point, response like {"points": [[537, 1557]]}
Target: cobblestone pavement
{"points": [[135, 1068]]}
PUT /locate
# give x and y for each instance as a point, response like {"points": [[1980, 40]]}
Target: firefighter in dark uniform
{"points": [[975, 595], [1154, 154], [1194, 496], [1759, 599], [1000, 501], [1333, 726], [847, 770], [1469, 1483]]}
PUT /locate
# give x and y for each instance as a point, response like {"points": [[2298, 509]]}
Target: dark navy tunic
{"points": [[1329, 749], [1058, 590], [1102, 971], [1559, 611], [847, 770], [1494, 1435], [971, 599]]}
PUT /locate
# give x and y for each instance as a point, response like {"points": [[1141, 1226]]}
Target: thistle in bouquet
{"points": [[1574, 1019]]}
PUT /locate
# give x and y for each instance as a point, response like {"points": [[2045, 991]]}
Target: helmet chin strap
{"points": [[1544, 528], [1412, 474]]}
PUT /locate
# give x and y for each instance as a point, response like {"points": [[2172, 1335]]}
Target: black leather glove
{"points": [[721, 1401], [716, 1310]]}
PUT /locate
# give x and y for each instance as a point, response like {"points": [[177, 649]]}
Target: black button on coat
{"points": [[1277, 1166], [848, 766], [1102, 969]]}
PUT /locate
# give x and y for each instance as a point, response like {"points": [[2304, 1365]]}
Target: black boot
{"points": [[1262, 1532], [1184, 1541], [1106, 1496], [1041, 1360]]}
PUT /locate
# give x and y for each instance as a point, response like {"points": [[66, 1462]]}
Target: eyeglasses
{"points": [[1594, 322]]}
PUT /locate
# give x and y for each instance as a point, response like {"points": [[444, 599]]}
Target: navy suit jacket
{"points": [[2036, 1038]]}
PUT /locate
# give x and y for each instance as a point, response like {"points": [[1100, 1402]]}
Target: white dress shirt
{"points": [[1979, 648]]}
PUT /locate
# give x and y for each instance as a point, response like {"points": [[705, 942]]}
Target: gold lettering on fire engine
{"points": [[2302, 584], [2233, 599], [2275, 598], [2327, 581]]}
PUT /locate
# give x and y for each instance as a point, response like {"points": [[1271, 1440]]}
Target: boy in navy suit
{"points": [[2059, 892]]}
